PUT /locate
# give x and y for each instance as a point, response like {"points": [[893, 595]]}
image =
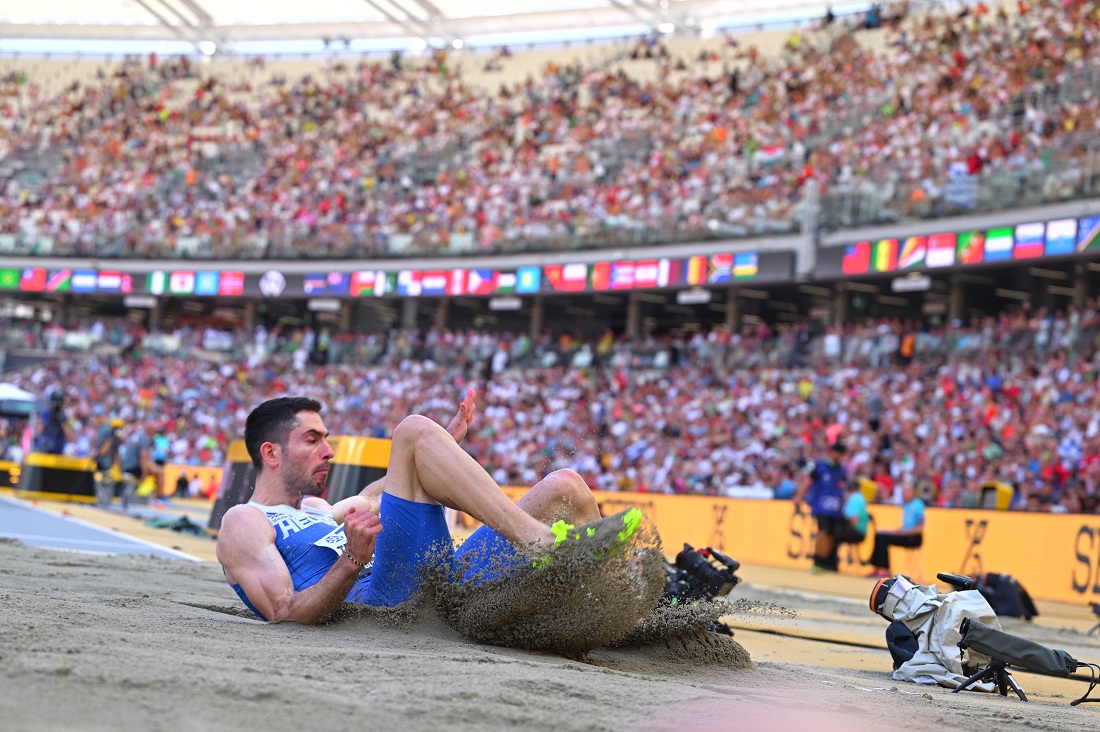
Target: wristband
{"points": [[360, 565]]}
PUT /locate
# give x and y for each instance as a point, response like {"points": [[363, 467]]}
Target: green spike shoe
{"points": [[625, 524]]}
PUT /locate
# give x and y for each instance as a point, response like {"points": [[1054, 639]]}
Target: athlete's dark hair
{"points": [[273, 421]]}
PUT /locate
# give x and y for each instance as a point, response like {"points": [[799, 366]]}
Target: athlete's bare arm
{"points": [[247, 552], [364, 501]]}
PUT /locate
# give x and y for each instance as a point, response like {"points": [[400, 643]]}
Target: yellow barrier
{"points": [[995, 494], [9, 474], [1054, 556], [206, 473], [869, 489], [356, 462], [57, 477]]}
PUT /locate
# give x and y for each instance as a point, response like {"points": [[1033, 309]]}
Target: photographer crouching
{"points": [[54, 435]]}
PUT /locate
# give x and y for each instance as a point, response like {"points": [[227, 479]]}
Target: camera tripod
{"points": [[998, 673]]}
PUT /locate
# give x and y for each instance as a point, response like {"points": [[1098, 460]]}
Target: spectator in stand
{"points": [[713, 413], [571, 154]]}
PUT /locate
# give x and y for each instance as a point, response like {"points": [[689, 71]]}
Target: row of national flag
{"points": [[573, 277], [432, 283], [40, 279], [999, 244], [715, 269], [622, 274]]}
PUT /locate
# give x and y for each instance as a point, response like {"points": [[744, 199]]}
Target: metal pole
{"points": [[1088, 169]]}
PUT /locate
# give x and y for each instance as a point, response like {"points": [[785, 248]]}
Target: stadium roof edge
{"points": [[377, 21]]}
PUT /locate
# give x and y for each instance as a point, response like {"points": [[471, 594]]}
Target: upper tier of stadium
{"points": [[249, 26], [663, 138]]}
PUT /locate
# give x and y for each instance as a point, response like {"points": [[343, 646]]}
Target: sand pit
{"points": [[129, 643]]}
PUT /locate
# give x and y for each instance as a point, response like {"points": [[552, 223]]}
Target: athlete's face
{"points": [[307, 456]]}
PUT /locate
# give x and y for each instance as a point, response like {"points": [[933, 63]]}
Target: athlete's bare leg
{"points": [[428, 466]]}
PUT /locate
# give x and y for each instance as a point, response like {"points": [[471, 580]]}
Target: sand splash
{"points": [[595, 593], [591, 593]]}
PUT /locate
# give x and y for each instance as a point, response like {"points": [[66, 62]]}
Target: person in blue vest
{"points": [[54, 435], [823, 489]]}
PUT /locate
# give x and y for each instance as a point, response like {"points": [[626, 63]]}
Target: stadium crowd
{"points": [[1011, 398], [358, 156]]}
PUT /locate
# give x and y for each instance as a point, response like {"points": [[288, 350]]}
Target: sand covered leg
{"points": [[598, 585]]}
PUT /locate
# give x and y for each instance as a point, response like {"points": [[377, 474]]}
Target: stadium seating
{"points": [[1009, 398], [553, 148]]}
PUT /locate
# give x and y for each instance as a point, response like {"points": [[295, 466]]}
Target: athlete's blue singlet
{"points": [[309, 541]]}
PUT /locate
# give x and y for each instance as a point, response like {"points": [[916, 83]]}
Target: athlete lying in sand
{"points": [[290, 555]]}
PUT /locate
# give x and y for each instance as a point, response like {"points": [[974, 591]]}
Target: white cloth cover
{"points": [[934, 618]]}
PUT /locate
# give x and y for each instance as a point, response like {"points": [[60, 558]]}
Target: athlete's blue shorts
{"points": [[411, 532]]}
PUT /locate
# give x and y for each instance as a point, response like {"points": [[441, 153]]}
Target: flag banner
{"points": [[1088, 234], [857, 258], [885, 255], [1029, 239], [999, 243], [59, 280], [181, 283], [1061, 237], [231, 284], [941, 250], [746, 265], [913, 253], [970, 248], [32, 279]]}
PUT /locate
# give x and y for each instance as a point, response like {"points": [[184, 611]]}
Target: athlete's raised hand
{"points": [[464, 416]]}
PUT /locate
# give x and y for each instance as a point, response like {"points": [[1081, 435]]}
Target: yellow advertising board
{"points": [[56, 477], [208, 475], [9, 475], [1054, 556]]}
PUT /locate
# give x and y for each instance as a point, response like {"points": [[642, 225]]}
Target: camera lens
{"points": [[879, 593]]}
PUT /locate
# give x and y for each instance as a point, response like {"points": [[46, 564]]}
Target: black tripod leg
{"points": [[1006, 678], [973, 679]]}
